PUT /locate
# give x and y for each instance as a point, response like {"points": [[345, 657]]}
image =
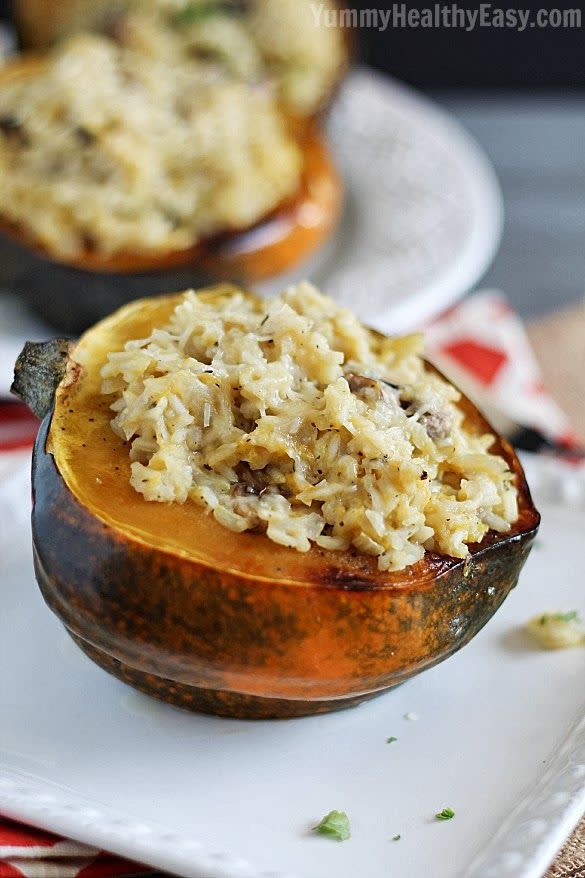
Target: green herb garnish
{"points": [[195, 12], [572, 616], [335, 825], [391, 739], [445, 814]]}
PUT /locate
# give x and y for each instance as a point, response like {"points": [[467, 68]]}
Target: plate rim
{"points": [[485, 199]]}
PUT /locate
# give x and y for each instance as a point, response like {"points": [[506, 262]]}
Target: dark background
{"points": [[487, 58]]}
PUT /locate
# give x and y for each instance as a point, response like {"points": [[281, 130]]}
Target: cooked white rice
{"points": [[289, 417], [111, 150], [284, 40]]}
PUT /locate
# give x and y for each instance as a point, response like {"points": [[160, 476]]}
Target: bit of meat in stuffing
{"points": [[368, 389], [248, 491], [438, 424]]}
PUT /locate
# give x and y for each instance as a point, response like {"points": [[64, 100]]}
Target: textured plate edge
{"points": [[485, 195], [59, 809], [534, 831], [523, 846], [536, 828]]}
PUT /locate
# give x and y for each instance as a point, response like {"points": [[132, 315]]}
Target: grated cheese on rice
{"points": [[110, 150], [288, 417]]}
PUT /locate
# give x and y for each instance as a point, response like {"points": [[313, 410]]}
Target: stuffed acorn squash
{"points": [[147, 173], [261, 508]]}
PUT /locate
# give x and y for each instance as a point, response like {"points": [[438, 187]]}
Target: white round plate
{"points": [[423, 215]]}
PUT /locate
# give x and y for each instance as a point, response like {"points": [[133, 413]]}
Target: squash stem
{"points": [[38, 371]]}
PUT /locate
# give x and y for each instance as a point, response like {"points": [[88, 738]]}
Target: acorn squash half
{"points": [[73, 294], [168, 600]]}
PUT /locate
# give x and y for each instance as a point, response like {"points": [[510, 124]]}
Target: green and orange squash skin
{"points": [[166, 599]]}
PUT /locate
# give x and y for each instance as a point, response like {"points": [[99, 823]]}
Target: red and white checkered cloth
{"points": [[481, 344], [33, 853], [18, 427]]}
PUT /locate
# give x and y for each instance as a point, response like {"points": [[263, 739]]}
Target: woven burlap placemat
{"points": [[570, 863], [559, 342]]}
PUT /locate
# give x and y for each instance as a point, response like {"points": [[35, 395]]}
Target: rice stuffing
{"points": [[288, 417], [146, 156], [285, 42]]}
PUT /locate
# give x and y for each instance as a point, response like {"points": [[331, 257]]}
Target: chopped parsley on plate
{"points": [[445, 814], [335, 825]]}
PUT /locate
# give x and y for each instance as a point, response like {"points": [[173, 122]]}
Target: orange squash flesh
{"points": [[276, 243], [170, 601]]}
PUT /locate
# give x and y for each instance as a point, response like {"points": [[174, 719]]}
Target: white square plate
{"points": [[500, 738]]}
